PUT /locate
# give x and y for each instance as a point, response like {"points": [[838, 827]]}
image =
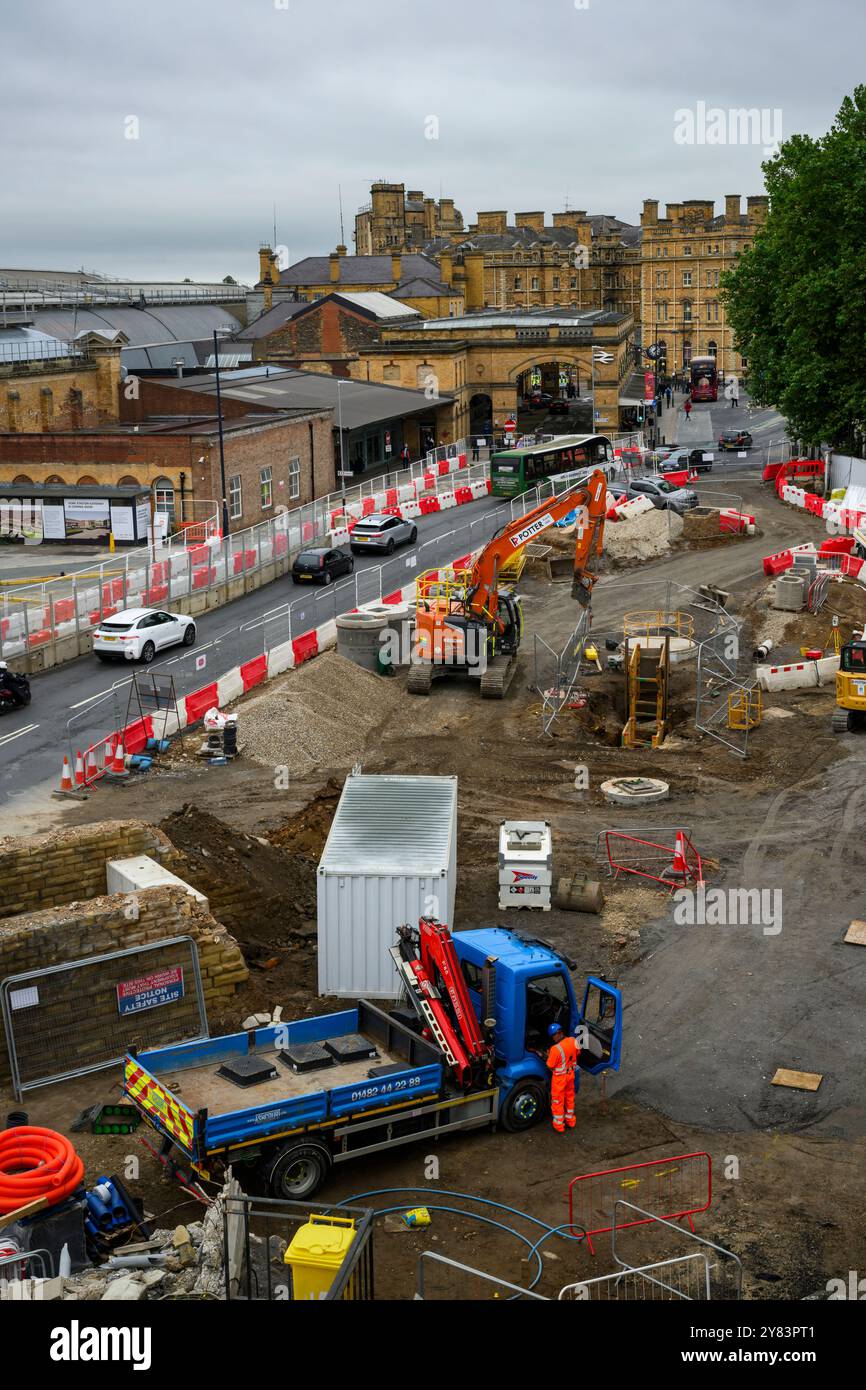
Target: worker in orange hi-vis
{"points": [[562, 1060]]}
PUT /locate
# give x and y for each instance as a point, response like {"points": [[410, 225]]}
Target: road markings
{"points": [[19, 733], [90, 698]]}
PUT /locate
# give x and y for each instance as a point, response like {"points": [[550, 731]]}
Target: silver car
{"points": [[663, 494], [380, 532]]}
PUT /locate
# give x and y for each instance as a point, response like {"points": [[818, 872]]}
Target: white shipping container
{"points": [[390, 858]]}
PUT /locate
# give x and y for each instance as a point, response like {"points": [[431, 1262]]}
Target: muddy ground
{"points": [[793, 1211]]}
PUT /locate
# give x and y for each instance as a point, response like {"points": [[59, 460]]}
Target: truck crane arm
{"points": [[427, 963], [483, 586]]}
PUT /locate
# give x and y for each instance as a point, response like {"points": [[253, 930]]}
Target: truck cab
{"points": [[533, 988]]}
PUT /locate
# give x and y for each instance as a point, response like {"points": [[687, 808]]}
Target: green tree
{"points": [[797, 297], [229, 280]]}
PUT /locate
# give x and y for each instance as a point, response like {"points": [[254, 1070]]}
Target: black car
{"points": [[698, 463], [559, 407], [539, 400], [735, 439], [321, 566]]}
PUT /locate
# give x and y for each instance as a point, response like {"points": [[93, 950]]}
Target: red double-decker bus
{"points": [[704, 379]]}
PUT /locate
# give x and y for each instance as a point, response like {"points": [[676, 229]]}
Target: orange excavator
{"points": [[466, 625]]}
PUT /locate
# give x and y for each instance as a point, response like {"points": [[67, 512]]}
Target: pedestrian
{"points": [[668, 395], [475, 453], [687, 406], [562, 1060], [405, 456]]}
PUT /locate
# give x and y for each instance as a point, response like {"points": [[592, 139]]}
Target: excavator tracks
{"points": [[498, 677], [420, 678]]}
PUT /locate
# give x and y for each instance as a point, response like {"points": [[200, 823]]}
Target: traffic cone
{"points": [[108, 755], [66, 776], [79, 769], [91, 770], [119, 763], [679, 868]]}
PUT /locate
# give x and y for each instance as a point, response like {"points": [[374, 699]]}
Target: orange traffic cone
{"points": [[119, 763], [79, 769], [91, 770], [66, 776], [108, 755], [679, 868]]}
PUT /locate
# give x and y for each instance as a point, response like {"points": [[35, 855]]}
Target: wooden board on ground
{"points": [[856, 934], [798, 1080]]}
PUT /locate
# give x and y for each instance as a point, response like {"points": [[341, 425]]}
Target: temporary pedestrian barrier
{"points": [[305, 647], [673, 1189], [254, 672], [673, 866], [196, 704]]}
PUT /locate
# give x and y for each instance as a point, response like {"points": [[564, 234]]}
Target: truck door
{"points": [[601, 1020]]}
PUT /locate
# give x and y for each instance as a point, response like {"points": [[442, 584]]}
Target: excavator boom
{"points": [[483, 597]]}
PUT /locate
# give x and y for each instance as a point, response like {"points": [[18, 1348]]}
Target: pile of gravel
{"points": [[642, 537], [318, 716]]}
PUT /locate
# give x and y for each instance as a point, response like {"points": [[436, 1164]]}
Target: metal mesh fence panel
{"points": [[84, 1015]]}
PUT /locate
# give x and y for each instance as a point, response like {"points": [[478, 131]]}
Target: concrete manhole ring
{"points": [[635, 791]]}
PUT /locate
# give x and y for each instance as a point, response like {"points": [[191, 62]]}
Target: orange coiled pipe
{"points": [[36, 1163]]}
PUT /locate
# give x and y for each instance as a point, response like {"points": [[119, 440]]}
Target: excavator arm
{"points": [[483, 587]]}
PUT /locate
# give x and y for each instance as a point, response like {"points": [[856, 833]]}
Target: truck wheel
{"points": [[298, 1171], [524, 1106]]}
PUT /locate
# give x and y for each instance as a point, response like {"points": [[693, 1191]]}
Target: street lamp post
{"points": [[216, 350]]}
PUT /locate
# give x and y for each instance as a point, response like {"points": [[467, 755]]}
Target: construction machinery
{"points": [[850, 713], [468, 624], [287, 1102]]}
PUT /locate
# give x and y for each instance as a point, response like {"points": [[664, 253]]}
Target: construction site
{"points": [[601, 777]]}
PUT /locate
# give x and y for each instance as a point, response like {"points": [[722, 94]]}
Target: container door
{"points": [[601, 1026]]}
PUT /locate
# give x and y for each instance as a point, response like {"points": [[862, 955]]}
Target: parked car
{"points": [[379, 532], [735, 439], [559, 407], [663, 494], [137, 634], [321, 566]]}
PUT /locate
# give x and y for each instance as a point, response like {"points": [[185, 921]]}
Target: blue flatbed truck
{"points": [[380, 1079]]}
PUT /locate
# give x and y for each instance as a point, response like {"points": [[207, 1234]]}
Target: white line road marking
{"points": [[19, 733], [89, 701]]}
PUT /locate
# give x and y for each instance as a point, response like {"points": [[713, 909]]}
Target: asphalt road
{"points": [[92, 698]]}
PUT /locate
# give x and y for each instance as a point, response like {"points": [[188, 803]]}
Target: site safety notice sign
{"points": [[150, 991]]}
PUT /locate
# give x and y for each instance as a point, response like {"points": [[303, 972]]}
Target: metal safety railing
{"points": [[684, 1278], [674, 1188], [35, 615], [672, 865], [257, 1233]]}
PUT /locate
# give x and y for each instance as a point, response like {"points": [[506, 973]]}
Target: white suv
{"points": [[137, 634]]}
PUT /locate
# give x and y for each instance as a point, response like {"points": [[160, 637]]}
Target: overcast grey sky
{"points": [[245, 103]]}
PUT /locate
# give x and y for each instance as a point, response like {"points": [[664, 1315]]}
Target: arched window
{"points": [[22, 478], [712, 348], [163, 497], [129, 482], [56, 478], [86, 482]]}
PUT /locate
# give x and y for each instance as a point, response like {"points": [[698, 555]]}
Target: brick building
{"points": [[325, 335], [394, 218], [273, 459], [412, 278], [60, 386], [683, 257]]}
